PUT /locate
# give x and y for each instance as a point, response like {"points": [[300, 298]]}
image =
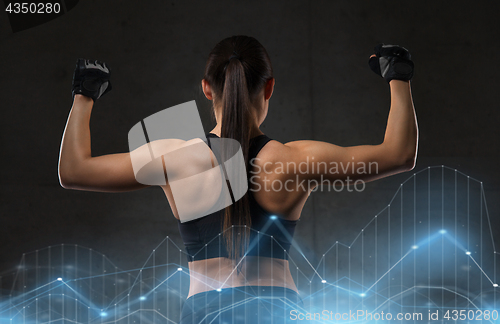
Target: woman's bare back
{"points": [[220, 272]]}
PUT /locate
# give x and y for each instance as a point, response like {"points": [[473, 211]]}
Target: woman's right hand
{"points": [[91, 79], [392, 62]]}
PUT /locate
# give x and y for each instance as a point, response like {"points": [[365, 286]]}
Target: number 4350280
{"points": [[26, 7], [471, 315]]}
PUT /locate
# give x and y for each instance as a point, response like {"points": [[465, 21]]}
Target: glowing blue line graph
{"points": [[431, 249]]}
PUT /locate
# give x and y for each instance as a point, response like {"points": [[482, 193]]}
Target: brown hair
{"points": [[237, 69]]}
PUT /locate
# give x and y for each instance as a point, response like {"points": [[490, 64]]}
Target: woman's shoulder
{"points": [[179, 158], [272, 152]]}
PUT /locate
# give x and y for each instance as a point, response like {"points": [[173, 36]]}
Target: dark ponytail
{"points": [[237, 70]]}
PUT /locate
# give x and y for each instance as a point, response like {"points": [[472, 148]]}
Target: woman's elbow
{"points": [[402, 158], [408, 161], [67, 179], [65, 182]]}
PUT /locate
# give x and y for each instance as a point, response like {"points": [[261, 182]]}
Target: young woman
{"points": [[228, 271]]}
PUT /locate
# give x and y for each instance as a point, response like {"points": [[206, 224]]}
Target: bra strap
{"points": [[256, 144]]}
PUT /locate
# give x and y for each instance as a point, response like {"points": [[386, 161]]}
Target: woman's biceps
{"points": [[112, 173]]}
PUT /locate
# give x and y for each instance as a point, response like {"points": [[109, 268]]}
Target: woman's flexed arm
{"points": [[396, 154], [398, 151], [78, 169]]}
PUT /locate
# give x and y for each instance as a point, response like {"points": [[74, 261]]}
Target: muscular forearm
{"points": [[401, 136], [75, 146]]}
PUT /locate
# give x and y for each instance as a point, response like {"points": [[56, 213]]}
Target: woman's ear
{"points": [[206, 89], [269, 88]]}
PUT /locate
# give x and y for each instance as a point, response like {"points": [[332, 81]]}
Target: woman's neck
{"points": [[255, 131]]}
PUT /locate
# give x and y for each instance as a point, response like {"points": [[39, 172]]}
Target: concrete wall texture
{"points": [[324, 91]]}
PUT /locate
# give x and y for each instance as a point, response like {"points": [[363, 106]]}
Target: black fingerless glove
{"points": [[91, 79], [392, 62]]}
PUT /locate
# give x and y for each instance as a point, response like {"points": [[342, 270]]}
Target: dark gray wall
{"points": [[324, 90]]}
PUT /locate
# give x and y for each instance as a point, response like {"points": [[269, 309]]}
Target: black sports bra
{"points": [[270, 236]]}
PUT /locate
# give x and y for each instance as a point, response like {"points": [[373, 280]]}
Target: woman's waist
{"points": [[247, 291], [220, 273], [260, 245]]}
